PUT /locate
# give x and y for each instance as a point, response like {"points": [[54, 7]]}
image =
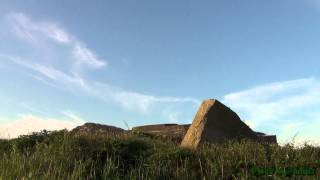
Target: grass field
{"points": [[54, 155]]}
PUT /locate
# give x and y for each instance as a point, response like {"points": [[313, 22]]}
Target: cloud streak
{"points": [[130, 100], [34, 32], [52, 76], [25, 28], [284, 108], [136, 101], [71, 76], [85, 56]]}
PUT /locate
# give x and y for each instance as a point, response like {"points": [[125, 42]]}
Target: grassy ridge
{"points": [[57, 156]]}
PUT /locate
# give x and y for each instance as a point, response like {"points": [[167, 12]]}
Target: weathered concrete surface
{"points": [[214, 123], [172, 131]]}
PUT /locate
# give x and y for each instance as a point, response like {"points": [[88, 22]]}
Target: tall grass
{"points": [[55, 155]]}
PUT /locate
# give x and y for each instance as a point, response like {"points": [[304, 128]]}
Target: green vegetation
{"points": [[55, 155]]}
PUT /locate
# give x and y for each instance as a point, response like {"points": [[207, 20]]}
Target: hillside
{"points": [[57, 155]]}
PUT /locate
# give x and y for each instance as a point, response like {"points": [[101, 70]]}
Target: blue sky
{"points": [[63, 63]]}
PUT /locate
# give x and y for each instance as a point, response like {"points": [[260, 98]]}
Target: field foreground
{"points": [[57, 155]]}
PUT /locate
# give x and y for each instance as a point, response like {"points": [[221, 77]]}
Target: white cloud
{"points": [[71, 115], [267, 91], [136, 101], [32, 31], [71, 76], [85, 56], [24, 27], [133, 100], [283, 108], [48, 72], [55, 33], [130, 100], [26, 124]]}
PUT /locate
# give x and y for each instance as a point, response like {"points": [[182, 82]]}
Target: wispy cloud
{"points": [[143, 102], [25, 28], [32, 31], [74, 117], [130, 100], [49, 73], [136, 101], [28, 123], [84, 55], [284, 108], [69, 71]]}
